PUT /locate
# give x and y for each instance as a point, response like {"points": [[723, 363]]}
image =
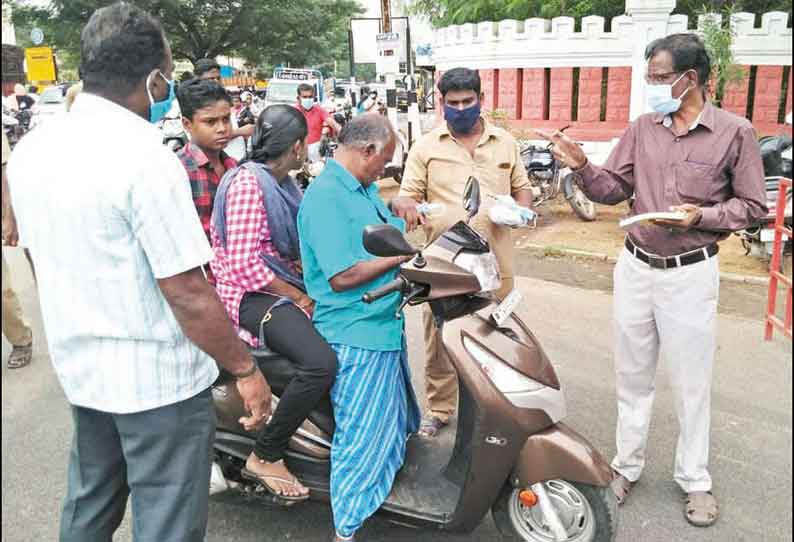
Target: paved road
{"points": [[752, 435]]}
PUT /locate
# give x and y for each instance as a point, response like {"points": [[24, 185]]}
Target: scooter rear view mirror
{"points": [[384, 240], [472, 197]]}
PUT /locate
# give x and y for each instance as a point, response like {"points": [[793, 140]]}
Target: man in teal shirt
{"points": [[374, 404]]}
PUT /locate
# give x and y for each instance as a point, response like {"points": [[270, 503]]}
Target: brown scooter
{"points": [[510, 454]]}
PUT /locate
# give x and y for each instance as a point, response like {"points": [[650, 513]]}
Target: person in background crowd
{"points": [[369, 443], [259, 278], [316, 118], [436, 171], [206, 116], [705, 163], [246, 115], [207, 68], [22, 100], [15, 328], [132, 325]]}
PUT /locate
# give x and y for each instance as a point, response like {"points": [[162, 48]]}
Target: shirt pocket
{"points": [[696, 182]]}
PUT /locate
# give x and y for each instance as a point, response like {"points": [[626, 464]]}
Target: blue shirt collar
{"points": [[344, 176]]}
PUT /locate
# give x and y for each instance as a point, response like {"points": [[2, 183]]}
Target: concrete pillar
{"points": [[650, 19], [590, 81], [534, 97], [490, 86], [735, 98], [510, 92], [767, 94], [561, 92], [618, 94]]}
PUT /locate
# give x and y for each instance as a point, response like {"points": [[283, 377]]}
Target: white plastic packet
{"points": [[506, 212]]}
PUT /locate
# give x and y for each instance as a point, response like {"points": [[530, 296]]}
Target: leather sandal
{"points": [[431, 426], [20, 356], [621, 487], [701, 509]]}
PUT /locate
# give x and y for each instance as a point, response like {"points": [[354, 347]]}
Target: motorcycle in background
{"points": [[174, 136], [548, 178], [758, 239]]}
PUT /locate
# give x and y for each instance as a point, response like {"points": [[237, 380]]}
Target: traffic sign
{"points": [[37, 36], [40, 64]]}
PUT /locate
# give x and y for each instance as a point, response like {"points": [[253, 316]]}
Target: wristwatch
{"points": [[254, 368]]}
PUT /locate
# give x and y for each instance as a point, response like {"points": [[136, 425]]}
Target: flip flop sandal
{"points": [[701, 509], [262, 479], [431, 425], [621, 486], [20, 356]]}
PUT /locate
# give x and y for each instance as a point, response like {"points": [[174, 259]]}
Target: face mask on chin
{"points": [[462, 121], [158, 110], [660, 97]]}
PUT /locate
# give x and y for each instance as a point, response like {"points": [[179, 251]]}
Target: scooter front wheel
{"points": [[587, 513]]}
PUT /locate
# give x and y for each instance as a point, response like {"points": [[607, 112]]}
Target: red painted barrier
{"points": [[775, 275]]}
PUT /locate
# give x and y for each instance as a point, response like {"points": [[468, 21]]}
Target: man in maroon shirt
{"points": [[316, 117], [704, 162]]}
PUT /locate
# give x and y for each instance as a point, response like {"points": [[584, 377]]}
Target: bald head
{"points": [[367, 130], [366, 145]]}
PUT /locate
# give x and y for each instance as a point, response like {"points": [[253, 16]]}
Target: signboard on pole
{"points": [[40, 63], [37, 36], [387, 41]]}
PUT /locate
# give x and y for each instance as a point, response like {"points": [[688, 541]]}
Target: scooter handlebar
{"points": [[397, 285]]}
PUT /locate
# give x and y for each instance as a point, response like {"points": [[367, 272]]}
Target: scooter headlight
{"points": [[483, 266], [504, 377]]}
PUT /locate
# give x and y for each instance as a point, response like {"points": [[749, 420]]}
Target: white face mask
{"points": [[660, 97]]}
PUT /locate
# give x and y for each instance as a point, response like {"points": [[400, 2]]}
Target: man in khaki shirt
{"points": [[436, 171], [15, 328]]}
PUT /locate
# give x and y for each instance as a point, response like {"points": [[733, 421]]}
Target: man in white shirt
{"points": [[132, 324]]}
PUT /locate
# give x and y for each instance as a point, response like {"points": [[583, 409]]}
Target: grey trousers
{"points": [[160, 457]]}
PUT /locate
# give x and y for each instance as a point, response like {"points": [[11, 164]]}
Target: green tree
{"points": [[300, 32]]}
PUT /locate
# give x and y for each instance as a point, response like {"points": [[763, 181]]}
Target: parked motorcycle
{"points": [[11, 127], [548, 178], [174, 135], [758, 239], [510, 453]]}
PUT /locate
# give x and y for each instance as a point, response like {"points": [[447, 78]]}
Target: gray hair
{"points": [[366, 130]]}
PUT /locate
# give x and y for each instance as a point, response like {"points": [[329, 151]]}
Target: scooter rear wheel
{"points": [[588, 513]]}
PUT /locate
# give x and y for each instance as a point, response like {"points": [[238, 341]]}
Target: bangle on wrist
{"points": [[254, 368]]}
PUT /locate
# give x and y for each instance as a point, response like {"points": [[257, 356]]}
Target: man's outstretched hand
{"points": [[565, 149], [405, 208]]}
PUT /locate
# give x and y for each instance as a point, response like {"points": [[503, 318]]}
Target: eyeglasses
{"points": [[659, 78]]}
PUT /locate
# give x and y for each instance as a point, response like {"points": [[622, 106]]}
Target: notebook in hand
{"points": [[649, 218]]}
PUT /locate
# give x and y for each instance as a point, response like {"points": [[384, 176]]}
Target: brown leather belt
{"points": [[671, 262]]}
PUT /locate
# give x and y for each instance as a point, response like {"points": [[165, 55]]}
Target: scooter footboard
{"points": [[559, 452]]}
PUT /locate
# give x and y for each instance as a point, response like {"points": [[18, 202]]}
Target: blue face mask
{"points": [[462, 121], [307, 103], [660, 98], [158, 110]]}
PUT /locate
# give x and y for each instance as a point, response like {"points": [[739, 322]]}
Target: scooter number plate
{"points": [[506, 307], [768, 235]]}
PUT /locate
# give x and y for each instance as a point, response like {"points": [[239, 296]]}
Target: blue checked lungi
{"points": [[375, 410]]}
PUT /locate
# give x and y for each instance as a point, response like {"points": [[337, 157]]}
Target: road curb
{"points": [[555, 250]]}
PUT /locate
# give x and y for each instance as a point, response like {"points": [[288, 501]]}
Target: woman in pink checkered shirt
{"points": [[259, 278]]}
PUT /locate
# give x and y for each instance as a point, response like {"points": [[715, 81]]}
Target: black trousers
{"points": [[291, 334]]}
